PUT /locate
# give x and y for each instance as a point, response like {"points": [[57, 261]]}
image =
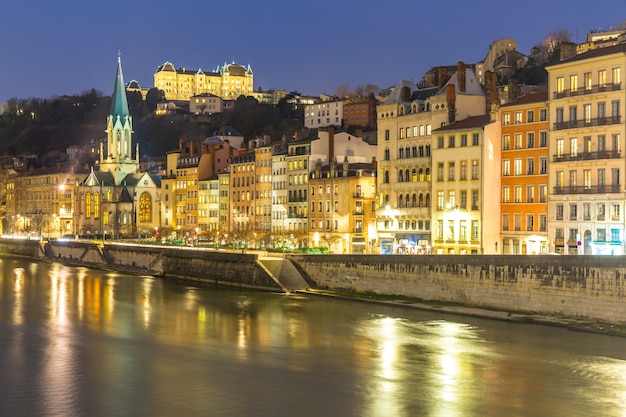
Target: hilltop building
{"points": [[228, 81]]}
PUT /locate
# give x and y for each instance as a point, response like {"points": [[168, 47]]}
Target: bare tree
{"points": [[343, 90], [331, 240], [370, 89], [550, 43], [359, 90]]}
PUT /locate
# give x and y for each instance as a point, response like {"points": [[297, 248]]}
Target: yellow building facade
{"points": [[342, 207], [228, 81]]}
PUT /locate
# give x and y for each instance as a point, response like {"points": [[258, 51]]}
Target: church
{"points": [[116, 199]]}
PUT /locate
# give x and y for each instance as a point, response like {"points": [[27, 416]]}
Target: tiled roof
{"points": [[594, 53], [529, 98], [468, 123]]}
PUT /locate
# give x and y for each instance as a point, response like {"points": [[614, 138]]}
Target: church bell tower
{"points": [[118, 159]]}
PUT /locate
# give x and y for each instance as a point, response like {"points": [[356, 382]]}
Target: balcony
{"points": [[357, 230], [358, 212], [584, 91], [297, 199], [586, 156], [598, 121], [593, 189], [358, 195]]}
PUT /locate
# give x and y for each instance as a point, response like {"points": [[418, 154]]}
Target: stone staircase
{"points": [[286, 273]]}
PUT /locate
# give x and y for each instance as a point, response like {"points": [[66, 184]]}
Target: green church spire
{"points": [[119, 104]]}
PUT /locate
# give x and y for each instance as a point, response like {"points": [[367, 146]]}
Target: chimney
{"points": [[359, 133], [331, 143], [181, 143], [318, 169], [514, 91], [451, 101], [491, 90], [442, 77], [461, 74], [406, 94], [333, 163], [346, 166]]}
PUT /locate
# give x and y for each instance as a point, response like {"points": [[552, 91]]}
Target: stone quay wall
{"points": [[583, 287], [222, 268]]}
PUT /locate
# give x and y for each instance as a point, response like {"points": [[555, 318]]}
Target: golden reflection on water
{"points": [[388, 364], [18, 293], [146, 301], [57, 379]]}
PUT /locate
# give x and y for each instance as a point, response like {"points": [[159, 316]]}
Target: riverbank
{"points": [[463, 310], [586, 293]]}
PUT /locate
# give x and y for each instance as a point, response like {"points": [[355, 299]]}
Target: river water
{"points": [[83, 342]]}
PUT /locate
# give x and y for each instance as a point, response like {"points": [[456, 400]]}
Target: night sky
{"points": [[69, 46]]}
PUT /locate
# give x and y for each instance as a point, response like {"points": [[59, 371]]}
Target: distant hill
{"points": [[46, 127]]}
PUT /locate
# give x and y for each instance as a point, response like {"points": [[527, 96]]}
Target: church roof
{"points": [[119, 104], [125, 197]]}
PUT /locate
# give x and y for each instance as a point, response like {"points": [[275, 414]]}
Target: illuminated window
{"points": [[587, 81], [602, 78], [573, 83], [617, 75], [560, 84], [88, 205], [145, 208], [96, 205]]}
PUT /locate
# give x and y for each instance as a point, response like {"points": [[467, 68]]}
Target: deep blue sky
{"points": [[68, 46]]}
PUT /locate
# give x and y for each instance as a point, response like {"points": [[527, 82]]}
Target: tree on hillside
{"points": [[550, 43], [135, 104], [153, 96], [342, 90]]}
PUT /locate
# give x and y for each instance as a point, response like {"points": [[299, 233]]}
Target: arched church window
{"points": [[96, 205], [88, 205], [145, 208]]}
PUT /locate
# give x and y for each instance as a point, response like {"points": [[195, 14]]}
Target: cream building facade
{"points": [[586, 199], [466, 165], [323, 114], [405, 123]]}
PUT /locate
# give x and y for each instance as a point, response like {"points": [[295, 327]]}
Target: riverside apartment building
{"points": [[586, 197]]}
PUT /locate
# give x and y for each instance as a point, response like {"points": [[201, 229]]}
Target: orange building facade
{"points": [[524, 175]]}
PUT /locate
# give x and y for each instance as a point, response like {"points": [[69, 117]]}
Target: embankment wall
{"points": [[583, 287], [223, 268], [587, 287]]}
